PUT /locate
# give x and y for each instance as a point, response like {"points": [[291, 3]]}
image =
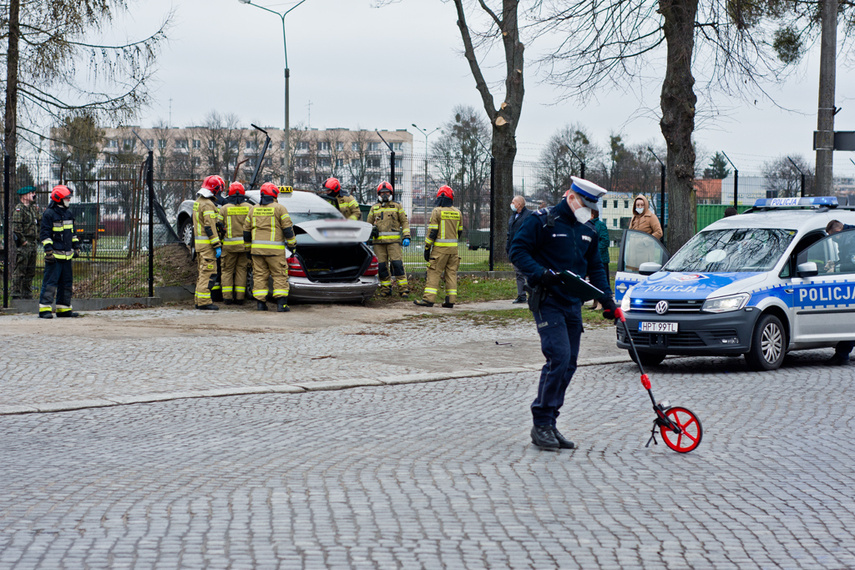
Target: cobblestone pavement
{"points": [[442, 475], [121, 357]]}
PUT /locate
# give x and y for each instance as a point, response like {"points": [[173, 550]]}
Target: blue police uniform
{"points": [[554, 239]]}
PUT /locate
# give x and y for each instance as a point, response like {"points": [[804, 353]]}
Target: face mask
{"points": [[583, 214], [513, 209], [66, 202], [385, 197], [639, 210]]}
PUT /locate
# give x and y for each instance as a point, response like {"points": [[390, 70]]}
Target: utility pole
{"points": [[824, 142]]}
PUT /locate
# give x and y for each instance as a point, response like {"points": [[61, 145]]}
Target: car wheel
{"points": [[768, 344], [647, 358], [185, 232]]}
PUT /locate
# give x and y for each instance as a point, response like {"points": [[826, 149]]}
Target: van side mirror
{"points": [[649, 267], [807, 269]]}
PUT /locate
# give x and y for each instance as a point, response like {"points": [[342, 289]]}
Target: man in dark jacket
{"points": [[549, 242], [518, 216], [61, 246]]}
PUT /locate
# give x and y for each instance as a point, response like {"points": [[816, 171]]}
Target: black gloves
{"points": [[375, 232], [49, 258], [610, 310], [549, 278], [76, 253], [427, 254]]}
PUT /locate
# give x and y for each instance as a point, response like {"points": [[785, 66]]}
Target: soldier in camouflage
{"points": [[25, 231]]}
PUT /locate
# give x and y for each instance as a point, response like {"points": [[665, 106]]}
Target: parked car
{"points": [[332, 263], [479, 238], [759, 284]]}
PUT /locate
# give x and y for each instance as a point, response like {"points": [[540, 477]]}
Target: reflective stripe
{"points": [[233, 240], [267, 245], [451, 291], [44, 308], [259, 292], [433, 226], [47, 241], [446, 242], [402, 281], [228, 289], [280, 292], [387, 283], [430, 290], [62, 309], [240, 289]]}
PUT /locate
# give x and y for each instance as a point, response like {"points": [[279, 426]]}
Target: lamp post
{"points": [[287, 78], [425, 191]]}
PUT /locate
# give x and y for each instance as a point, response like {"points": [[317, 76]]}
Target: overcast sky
{"points": [[353, 65]]}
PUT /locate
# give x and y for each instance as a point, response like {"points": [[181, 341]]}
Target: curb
{"points": [[324, 385]]}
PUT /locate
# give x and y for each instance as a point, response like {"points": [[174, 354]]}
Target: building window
{"points": [[614, 222], [233, 145], [149, 143], [324, 162], [626, 203], [354, 147], [282, 145], [372, 163], [161, 143], [374, 146], [397, 146], [197, 161], [197, 143], [211, 144], [339, 163], [112, 143], [181, 143], [251, 145], [303, 145], [339, 146], [323, 145], [615, 203]]}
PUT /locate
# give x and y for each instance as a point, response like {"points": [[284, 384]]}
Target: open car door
{"points": [[636, 248]]}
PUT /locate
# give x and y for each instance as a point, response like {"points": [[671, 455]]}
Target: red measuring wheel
{"points": [[690, 427]]}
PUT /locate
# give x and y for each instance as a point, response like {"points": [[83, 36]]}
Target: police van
{"points": [[759, 284]]}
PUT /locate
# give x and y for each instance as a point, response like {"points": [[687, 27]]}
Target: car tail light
{"points": [[295, 268], [372, 267]]}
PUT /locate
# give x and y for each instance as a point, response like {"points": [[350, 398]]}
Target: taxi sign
{"points": [[286, 190]]}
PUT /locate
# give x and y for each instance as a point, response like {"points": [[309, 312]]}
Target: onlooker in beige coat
{"points": [[643, 218]]}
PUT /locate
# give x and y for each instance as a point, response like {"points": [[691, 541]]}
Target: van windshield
{"points": [[732, 251]]}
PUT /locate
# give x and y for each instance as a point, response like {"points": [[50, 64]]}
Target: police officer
{"points": [[844, 347], [209, 248], [345, 203], [551, 241], [25, 233], [390, 224], [61, 246], [268, 229], [234, 260], [441, 253]]}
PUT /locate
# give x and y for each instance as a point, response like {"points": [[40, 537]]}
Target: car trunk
{"points": [[334, 262]]}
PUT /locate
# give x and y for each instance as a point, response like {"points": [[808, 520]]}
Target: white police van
{"points": [[758, 284]]}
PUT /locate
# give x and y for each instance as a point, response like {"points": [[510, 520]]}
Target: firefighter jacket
{"points": [[205, 218], [348, 206], [444, 228], [234, 221], [270, 228], [391, 222], [57, 232], [25, 224]]}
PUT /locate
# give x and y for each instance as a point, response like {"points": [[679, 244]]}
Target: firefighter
{"points": [[234, 260], [61, 246], [345, 203], [25, 233], [391, 230], [268, 229], [441, 253], [209, 248]]}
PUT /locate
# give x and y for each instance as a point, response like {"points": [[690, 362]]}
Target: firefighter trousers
{"points": [[265, 267], [391, 254], [233, 275], [442, 259], [56, 285], [207, 267]]}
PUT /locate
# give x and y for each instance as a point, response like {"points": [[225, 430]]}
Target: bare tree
{"points": [[783, 179], [81, 137], [45, 42], [604, 44], [562, 158], [221, 142]]}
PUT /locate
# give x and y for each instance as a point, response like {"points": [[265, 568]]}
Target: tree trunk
{"points": [[825, 112], [678, 119], [504, 150], [11, 117]]}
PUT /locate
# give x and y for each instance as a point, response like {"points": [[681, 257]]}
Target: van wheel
{"points": [[185, 233], [647, 358], [768, 344]]}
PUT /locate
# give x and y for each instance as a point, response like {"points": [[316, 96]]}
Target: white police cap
{"points": [[588, 191]]}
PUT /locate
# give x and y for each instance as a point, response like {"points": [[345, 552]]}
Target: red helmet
{"points": [[269, 189], [332, 185], [385, 187], [214, 183], [236, 188], [60, 193], [445, 191]]}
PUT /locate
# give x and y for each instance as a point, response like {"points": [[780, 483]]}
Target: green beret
{"points": [[26, 190]]}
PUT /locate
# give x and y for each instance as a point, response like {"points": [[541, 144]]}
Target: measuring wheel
{"points": [[690, 426]]}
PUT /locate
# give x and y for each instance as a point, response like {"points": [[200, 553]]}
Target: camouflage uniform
{"points": [[25, 228]]}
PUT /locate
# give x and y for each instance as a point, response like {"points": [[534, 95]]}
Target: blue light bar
{"points": [[806, 202]]}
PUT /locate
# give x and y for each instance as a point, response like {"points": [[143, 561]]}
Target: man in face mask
{"points": [[519, 214], [549, 242]]}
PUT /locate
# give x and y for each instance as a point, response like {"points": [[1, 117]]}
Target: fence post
{"points": [[735, 180], [492, 212], [149, 181], [7, 230]]}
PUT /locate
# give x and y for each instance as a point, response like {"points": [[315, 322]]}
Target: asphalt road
{"points": [[426, 474]]}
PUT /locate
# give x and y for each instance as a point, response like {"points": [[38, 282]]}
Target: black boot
{"points": [[282, 305], [66, 314], [208, 307], [563, 442], [422, 303], [260, 306], [448, 304], [238, 301], [230, 301], [544, 438], [45, 315]]}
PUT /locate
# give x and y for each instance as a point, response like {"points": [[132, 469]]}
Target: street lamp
{"points": [[287, 77], [425, 193]]}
